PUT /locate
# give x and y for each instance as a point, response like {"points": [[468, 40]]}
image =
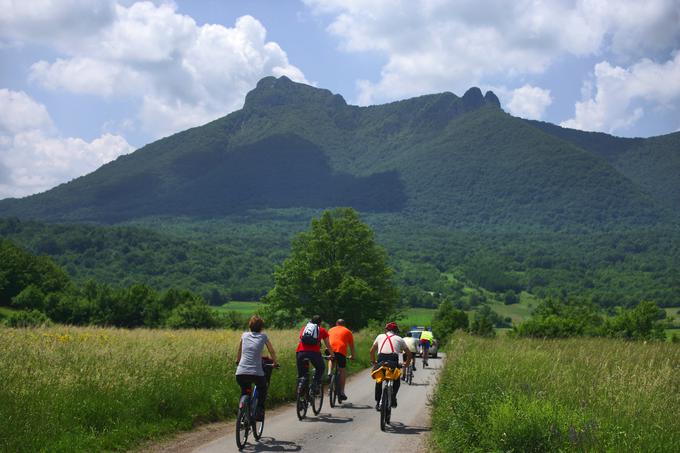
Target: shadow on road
{"points": [[355, 406], [328, 418], [400, 428], [271, 444]]}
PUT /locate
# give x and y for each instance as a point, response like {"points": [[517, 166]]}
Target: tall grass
{"points": [[558, 395], [94, 389]]}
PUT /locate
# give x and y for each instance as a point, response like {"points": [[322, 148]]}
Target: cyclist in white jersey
{"points": [[389, 347]]}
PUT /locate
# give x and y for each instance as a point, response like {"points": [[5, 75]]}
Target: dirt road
{"points": [[353, 426]]}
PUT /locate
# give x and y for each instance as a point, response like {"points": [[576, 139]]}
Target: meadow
{"points": [[94, 389], [558, 395]]}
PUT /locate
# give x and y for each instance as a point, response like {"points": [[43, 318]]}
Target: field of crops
{"points": [[558, 395], [94, 389]]}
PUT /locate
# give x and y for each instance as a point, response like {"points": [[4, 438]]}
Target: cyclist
{"points": [[426, 339], [340, 338], [249, 359], [412, 345], [309, 347], [389, 345]]}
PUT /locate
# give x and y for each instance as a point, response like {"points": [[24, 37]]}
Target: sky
{"points": [[84, 81]]}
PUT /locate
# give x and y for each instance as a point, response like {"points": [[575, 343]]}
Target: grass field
{"points": [[94, 389], [244, 308], [558, 395], [418, 317]]}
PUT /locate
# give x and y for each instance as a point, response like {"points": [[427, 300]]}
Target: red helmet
{"points": [[391, 326]]}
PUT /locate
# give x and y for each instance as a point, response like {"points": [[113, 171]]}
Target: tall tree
{"points": [[337, 270]]}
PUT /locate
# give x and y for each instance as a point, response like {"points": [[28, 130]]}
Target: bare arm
{"points": [[351, 348], [238, 352], [328, 346], [270, 347], [372, 352]]}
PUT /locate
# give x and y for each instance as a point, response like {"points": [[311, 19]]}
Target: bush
{"points": [[482, 326], [448, 319], [23, 319], [195, 314]]}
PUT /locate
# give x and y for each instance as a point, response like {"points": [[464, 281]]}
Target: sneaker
{"points": [[342, 397], [414, 367], [259, 415], [377, 407], [394, 402]]}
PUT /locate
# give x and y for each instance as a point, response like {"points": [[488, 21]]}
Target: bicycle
{"points": [[246, 419], [305, 394], [425, 354], [387, 375], [408, 373], [334, 382]]}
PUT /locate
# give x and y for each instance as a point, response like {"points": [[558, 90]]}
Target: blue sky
{"points": [[83, 81]]}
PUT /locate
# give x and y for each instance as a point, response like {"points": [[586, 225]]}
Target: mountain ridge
{"points": [[452, 160]]}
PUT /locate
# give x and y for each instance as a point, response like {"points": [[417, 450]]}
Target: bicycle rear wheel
{"points": [[317, 400], [301, 401], [384, 407], [333, 390], [242, 427], [258, 428]]}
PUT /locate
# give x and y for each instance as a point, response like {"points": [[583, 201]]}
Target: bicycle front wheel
{"points": [[317, 400], [242, 427], [332, 390]]}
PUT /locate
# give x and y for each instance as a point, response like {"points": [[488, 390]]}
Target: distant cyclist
{"points": [[309, 347], [412, 345], [249, 359], [341, 338], [426, 339], [389, 346]]}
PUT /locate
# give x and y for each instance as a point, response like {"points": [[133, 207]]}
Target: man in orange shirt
{"points": [[340, 338]]}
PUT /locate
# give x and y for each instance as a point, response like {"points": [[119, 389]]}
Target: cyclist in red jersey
{"points": [[309, 347]]}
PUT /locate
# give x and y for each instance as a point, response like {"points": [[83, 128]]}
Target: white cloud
{"points": [[61, 24], [529, 102], [182, 74], [436, 45], [34, 158], [619, 96]]}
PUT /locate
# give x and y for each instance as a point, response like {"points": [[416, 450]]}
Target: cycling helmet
{"points": [[391, 326]]}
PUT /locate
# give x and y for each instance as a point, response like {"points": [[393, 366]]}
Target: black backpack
{"points": [[310, 335]]}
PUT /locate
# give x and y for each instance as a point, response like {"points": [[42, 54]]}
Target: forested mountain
{"points": [[440, 159]]}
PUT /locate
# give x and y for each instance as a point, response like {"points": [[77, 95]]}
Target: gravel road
{"points": [[353, 426]]}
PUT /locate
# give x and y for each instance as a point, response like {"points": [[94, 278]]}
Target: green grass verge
{"points": [[93, 389], [557, 395]]}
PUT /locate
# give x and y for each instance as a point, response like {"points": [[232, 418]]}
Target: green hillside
{"points": [[653, 164], [441, 159]]}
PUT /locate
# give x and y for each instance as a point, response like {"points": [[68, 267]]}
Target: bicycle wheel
{"points": [[258, 428], [409, 375], [301, 401], [242, 427], [333, 390], [388, 413], [317, 400], [384, 406]]}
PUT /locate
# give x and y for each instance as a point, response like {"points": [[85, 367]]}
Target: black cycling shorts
{"points": [[341, 359]]}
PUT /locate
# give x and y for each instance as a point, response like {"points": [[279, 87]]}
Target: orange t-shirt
{"points": [[340, 338]]}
